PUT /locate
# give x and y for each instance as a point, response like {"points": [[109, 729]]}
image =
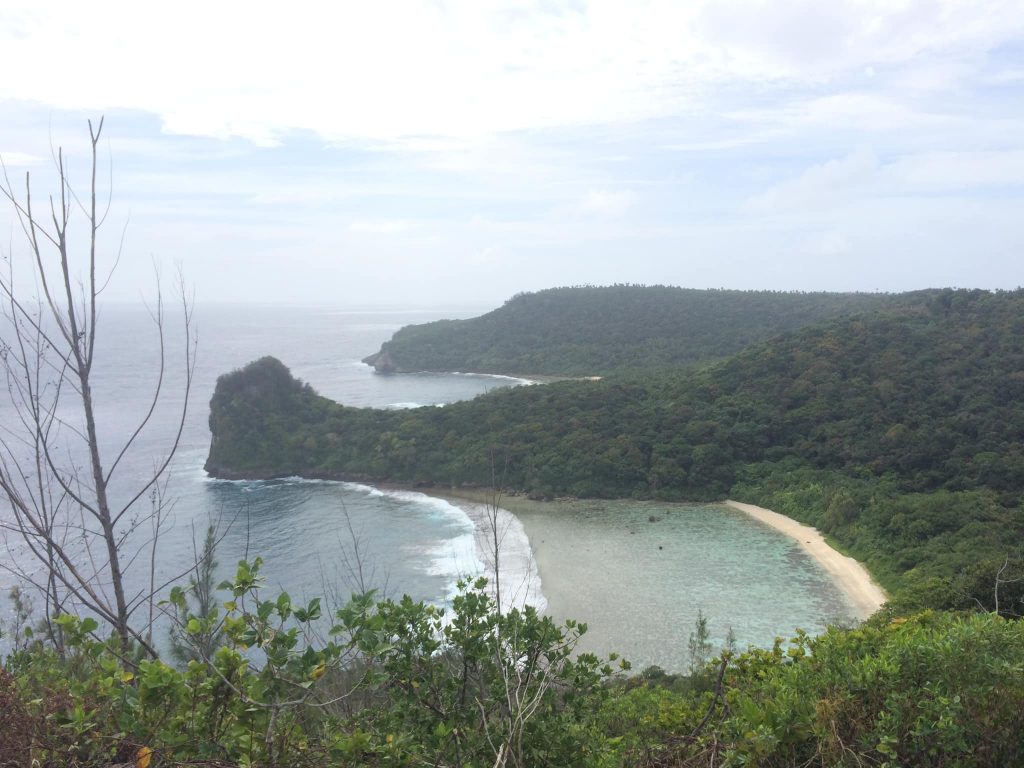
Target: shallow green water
{"points": [[639, 584]]}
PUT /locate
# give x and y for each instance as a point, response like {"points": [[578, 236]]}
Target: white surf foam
{"points": [[470, 553], [466, 555], [454, 557], [369, 490], [470, 375], [499, 531], [517, 379]]}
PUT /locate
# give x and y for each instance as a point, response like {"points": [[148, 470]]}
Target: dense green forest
{"points": [[586, 330], [898, 432]]}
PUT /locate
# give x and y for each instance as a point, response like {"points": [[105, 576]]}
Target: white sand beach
{"points": [[852, 577]]}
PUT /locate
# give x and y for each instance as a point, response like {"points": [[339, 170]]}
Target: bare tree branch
{"points": [[64, 509]]}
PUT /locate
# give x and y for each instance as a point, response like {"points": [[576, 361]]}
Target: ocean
{"points": [[331, 538]]}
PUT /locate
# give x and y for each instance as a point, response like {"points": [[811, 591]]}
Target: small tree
{"points": [[20, 629], [699, 645], [54, 473], [201, 602]]}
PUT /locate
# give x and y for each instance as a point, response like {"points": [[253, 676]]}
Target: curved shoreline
{"points": [[849, 574], [852, 579]]}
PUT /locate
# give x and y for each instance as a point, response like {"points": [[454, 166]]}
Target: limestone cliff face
{"points": [[382, 362], [265, 423], [254, 413]]}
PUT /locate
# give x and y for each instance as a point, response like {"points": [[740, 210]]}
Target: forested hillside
{"points": [[899, 432], [585, 331]]}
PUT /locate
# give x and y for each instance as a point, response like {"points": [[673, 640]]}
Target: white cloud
{"points": [[427, 72], [605, 202], [830, 244], [818, 186], [380, 226], [19, 159], [1006, 76], [940, 171], [846, 111], [817, 41], [487, 256], [861, 175], [743, 143]]}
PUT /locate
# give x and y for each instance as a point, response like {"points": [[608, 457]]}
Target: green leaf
{"points": [[313, 609]]}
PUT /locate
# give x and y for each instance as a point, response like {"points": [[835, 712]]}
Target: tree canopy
{"points": [[591, 330]]}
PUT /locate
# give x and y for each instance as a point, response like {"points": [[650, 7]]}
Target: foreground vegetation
{"points": [[385, 683]]}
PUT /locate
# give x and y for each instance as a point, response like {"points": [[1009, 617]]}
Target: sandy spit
{"points": [[851, 577]]}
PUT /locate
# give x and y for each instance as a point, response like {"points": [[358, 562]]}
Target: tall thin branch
{"points": [[52, 469]]}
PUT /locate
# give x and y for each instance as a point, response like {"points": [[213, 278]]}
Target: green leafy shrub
{"points": [[931, 690], [380, 683]]}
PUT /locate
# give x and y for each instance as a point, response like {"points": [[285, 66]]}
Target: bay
{"points": [[328, 538]]}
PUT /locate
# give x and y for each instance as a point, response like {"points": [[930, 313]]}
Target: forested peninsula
{"points": [[897, 431], [597, 330]]}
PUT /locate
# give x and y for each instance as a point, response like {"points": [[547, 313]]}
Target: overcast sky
{"points": [[433, 153]]}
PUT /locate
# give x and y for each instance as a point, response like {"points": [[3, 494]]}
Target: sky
{"points": [[446, 152]]}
